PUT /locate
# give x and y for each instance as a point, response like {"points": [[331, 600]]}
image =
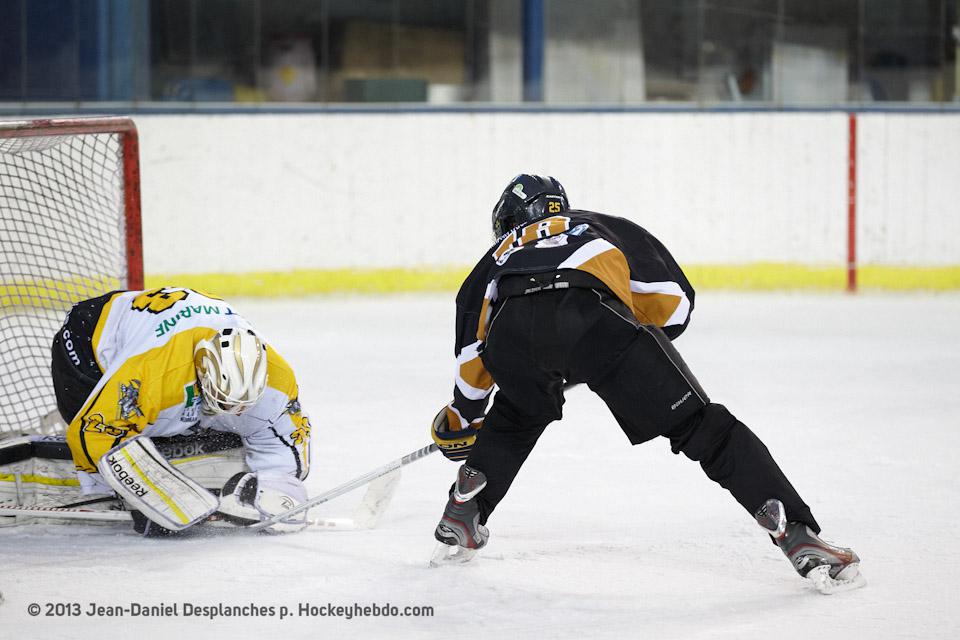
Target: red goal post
{"points": [[69, 230]]}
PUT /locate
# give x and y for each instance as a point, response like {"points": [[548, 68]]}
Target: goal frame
{"points": [[130, 152]]}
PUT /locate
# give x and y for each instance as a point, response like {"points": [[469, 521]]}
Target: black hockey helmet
{"points": [[528, 198]]}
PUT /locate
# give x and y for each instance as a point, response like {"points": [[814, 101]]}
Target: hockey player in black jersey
{"points": [[567, 296]]}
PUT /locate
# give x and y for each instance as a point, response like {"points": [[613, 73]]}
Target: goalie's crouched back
{"points": [[73, 364]]}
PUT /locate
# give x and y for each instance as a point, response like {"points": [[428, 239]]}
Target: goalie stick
{"points": [[383, 481], [66, 513], [76, 513]]}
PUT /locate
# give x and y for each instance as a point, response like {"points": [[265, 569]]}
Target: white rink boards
{"points": [[369, 190]]}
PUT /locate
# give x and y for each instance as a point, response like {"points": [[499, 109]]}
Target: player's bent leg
{"points": [[651, 392], [647, 385], [530, 396], [735, 458], [459, 533], [151, 485], [501, 449]]}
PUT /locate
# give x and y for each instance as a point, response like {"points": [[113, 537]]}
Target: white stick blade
{"points": [[376, 500]]}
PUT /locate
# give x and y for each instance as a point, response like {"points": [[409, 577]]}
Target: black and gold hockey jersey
{"points": [[630, 262]]}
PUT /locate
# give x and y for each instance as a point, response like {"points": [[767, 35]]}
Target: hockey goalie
{"points": [[176, 410]]}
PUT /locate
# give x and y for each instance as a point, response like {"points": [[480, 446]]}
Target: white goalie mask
{"points": [[232, 370]]}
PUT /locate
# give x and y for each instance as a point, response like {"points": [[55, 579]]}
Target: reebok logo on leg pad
{"points": [[151, 485]]}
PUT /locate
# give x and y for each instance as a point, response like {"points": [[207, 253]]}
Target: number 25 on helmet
{"points": [[528, 198]]}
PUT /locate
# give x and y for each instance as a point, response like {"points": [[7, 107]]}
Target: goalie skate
{"points": [[830, 568]]}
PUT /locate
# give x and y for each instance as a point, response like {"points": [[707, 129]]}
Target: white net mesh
{"points": [[62, 230]]}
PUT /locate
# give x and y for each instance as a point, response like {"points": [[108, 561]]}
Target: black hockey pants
{"points": [[538, 341], [73, 364]]}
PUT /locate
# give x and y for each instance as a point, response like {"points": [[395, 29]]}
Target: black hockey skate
{"points": [[831, 569], [459, 533]]}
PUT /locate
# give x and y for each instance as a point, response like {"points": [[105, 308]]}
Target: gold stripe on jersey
{"points": [[544, 229], [476, 375], [654, 308], [505, 244], [664, 303], [484, 318], [280, 377], [489, 297], [536, 231], [98, 330], [651, 302], [473, 379], [604, 261], [133, 397]]}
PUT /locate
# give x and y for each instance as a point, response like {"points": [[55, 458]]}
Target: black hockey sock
{"points": [[735, 458]]}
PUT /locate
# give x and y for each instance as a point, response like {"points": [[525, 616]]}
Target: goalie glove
{"points": [[248, 498], [454, 444]]}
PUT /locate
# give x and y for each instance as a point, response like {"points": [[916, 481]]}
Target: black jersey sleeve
{"points": [[652, 266], [473, 384]]}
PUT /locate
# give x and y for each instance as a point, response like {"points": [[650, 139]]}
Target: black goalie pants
{"points": [[73, 364], [537, 342]]}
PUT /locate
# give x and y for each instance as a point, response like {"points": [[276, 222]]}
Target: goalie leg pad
{"points": [[151, 485]]}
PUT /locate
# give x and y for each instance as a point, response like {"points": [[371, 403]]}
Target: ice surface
{"points": [[857, 397]]}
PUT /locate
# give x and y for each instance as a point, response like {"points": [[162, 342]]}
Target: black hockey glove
{"points": [[455, 445]]}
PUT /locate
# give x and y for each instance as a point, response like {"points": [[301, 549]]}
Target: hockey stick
{"points": [[65, 513], [346, 487], [372, 504], [69, 513]]}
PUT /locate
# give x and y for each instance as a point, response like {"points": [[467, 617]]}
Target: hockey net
{"points": [[69, 230]]}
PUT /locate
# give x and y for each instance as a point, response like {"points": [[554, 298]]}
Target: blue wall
{"points": [[76, 50]]}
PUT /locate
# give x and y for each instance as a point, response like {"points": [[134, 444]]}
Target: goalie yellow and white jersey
{"points": [[143, 343]]}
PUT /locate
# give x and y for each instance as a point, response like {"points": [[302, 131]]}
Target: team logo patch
{"points": [[301, 434], [293, 407], [191, 404], [518, 189], [128, 406], [96, 424]]}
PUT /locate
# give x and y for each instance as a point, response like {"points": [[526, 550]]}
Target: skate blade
{"points": [[446, 555], [847, 580]]}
